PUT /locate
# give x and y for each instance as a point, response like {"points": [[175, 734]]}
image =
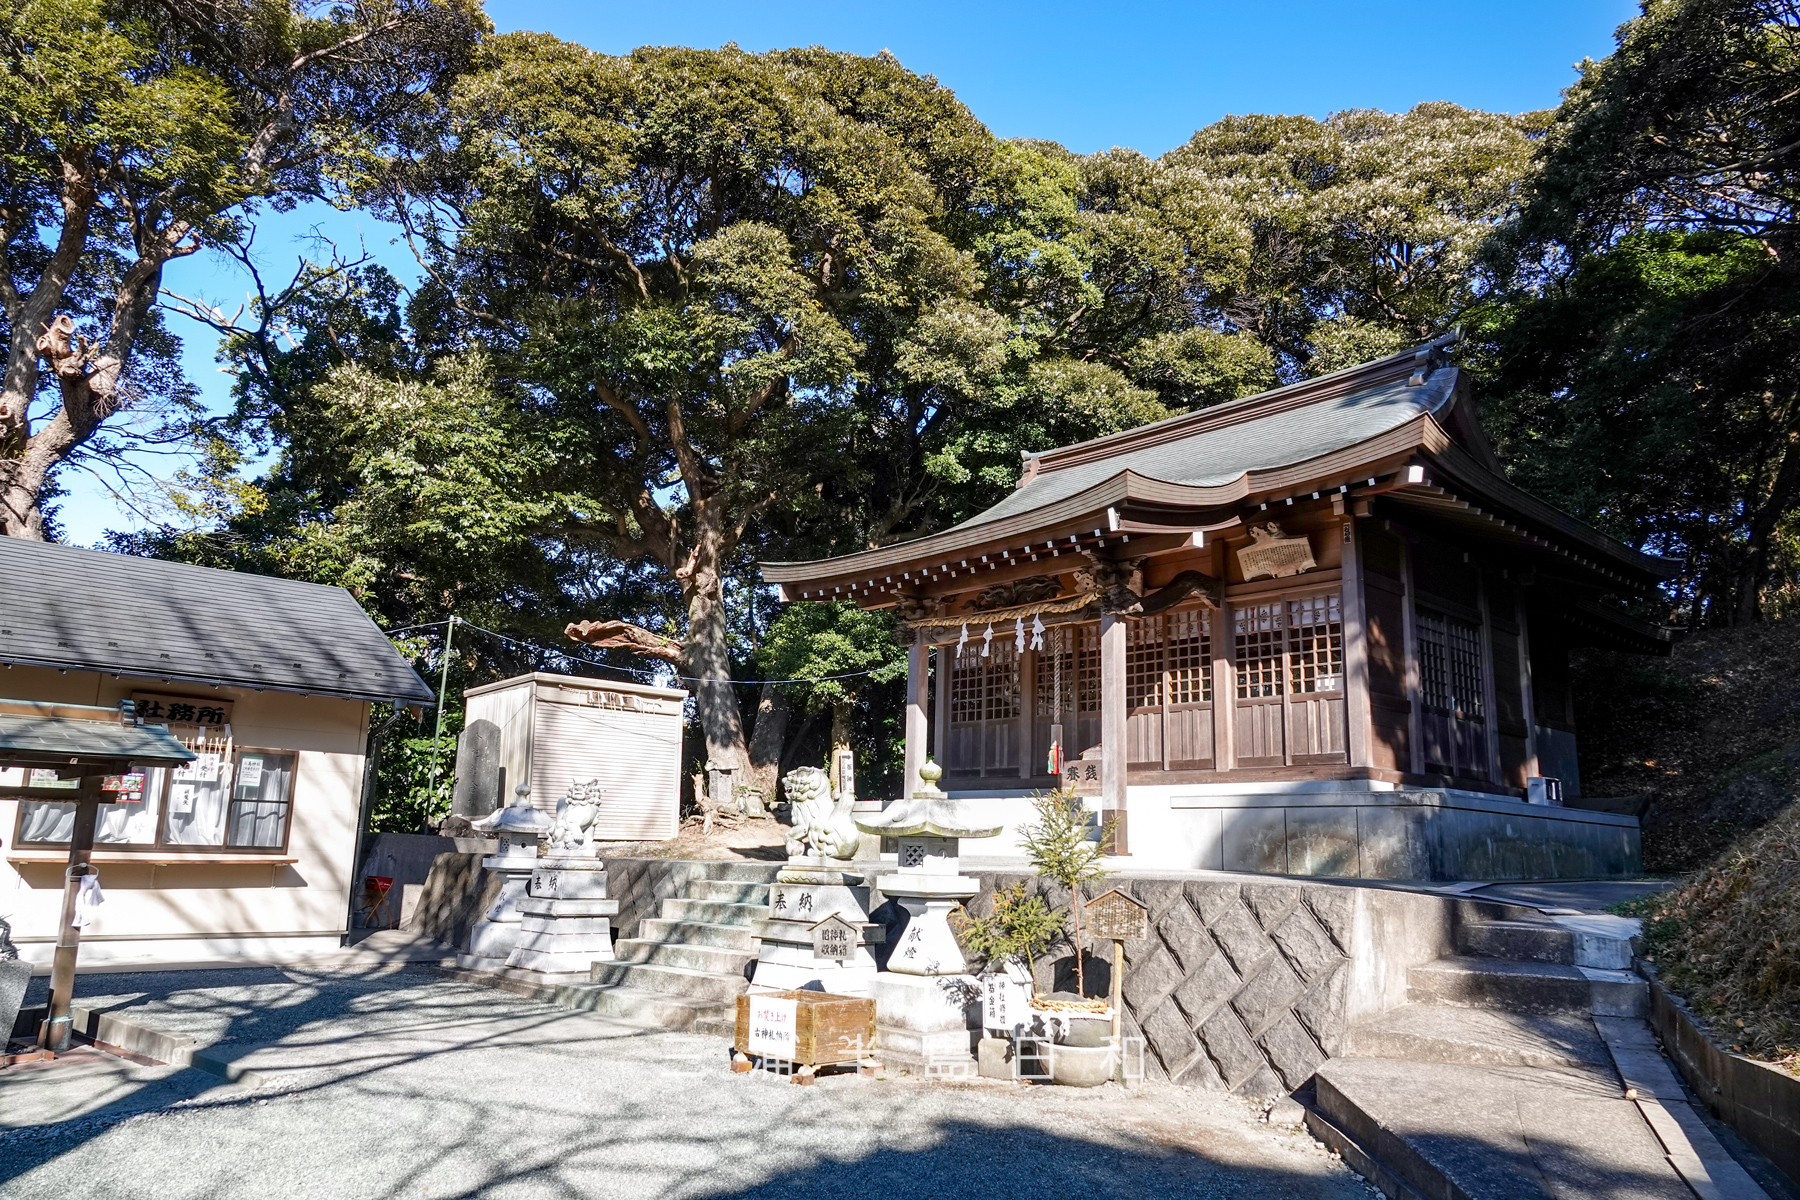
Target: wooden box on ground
{"points": [[828, 1029]]}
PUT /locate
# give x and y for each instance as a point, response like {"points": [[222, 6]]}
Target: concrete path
{"points": [[407, 1084]]}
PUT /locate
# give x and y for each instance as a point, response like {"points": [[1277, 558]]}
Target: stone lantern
{"points": [[927, 1007], [519, 827]]}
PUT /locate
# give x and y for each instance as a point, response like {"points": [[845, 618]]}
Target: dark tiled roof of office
{"points": [[90, 610]]}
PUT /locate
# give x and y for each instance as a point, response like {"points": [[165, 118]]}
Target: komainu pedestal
{"points": [[565, 921]]}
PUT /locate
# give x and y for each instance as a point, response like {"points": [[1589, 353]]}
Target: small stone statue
{"points": [[572, 833], [8, 951], [821, 827]]}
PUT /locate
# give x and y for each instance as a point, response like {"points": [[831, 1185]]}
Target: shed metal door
{"points": [[635, 755]]}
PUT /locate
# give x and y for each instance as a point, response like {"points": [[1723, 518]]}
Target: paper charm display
{"points": [[987, 640], [1019, 634], [963, 640], [1037, 633]]}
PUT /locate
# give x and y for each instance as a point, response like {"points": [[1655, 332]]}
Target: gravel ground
{"points": [[407, 1084]]}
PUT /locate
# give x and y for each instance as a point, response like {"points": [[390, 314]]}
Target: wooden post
{"points": [[54, 1034], [1357, 713], [1118, 1001], [1112, 712], [918, 690]]}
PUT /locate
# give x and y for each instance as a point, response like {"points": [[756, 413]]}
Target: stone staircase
{"points": [[1496, 1081], [686, 967]]}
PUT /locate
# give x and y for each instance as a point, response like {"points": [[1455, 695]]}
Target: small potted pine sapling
{"points": [[1008, 939], [1062, 845]]}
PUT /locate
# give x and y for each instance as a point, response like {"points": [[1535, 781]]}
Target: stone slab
{"points": [[565, 943], [538, 906], [566, 925], [1498, 1133]]}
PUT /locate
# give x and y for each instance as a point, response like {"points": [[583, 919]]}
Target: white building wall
{"points": [[280, 906]]}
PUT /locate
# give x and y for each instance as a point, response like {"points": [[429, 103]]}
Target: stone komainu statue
{"points": [[572, 832], [822, 827]]}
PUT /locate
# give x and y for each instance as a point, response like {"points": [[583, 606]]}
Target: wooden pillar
{"points": [[1527, 700], [1415, 725], [1358, 716], [1112, 712], [54, 1034], [1489, 695], [918, 694]]}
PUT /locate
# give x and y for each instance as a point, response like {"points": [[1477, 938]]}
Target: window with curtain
{"points": [[242, 800]]}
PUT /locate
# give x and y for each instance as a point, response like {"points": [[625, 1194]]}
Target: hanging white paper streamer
{"points": [[963, 640], [1037, 633], [1019, 634], [87, 899], [987, 640]]}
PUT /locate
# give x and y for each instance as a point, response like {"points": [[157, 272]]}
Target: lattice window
{"points": [[1087, 660], [1189, 656], [966, 686], [1315, 645], [1450, 665], [1002, 681], [1144, 663], [1258, 630]]}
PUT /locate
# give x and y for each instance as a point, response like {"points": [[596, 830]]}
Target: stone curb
{"points": [[1761, 1102], [112, 1032]]}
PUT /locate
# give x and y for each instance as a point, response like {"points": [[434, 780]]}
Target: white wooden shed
{"points": [[550, 729]]}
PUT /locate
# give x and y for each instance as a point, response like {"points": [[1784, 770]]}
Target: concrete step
{"points": [[714, 912], [1522, 941], [728, 891], [694, 933], [639, 1006], [1438, 1033], [671, 981], [1602, 941], [1527, 987], [712, 959], [1498, 983], [1452, 1131]]}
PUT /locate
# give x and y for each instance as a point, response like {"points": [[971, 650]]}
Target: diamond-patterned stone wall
{"points": [[1236, 986]]}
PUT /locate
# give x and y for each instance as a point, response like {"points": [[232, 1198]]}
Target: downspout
{"points": [[362, 811]]}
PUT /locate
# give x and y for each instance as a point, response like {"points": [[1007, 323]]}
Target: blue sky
{"points": [[1138, 74]]}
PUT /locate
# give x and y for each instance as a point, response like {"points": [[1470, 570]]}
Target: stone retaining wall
{"points": [[1247, 986], [1242, 984], [1759, 1101]]}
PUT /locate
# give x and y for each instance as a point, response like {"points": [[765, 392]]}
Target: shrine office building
{"points": [[244, 853], [1313, 631]]}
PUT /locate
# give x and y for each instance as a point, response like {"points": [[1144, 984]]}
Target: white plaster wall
{"points": [[199, 911]]}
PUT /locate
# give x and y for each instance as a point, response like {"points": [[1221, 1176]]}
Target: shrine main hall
{"points": [[1313, 631]]}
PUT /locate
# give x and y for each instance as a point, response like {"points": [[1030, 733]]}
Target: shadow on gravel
{"points": [[262, 1006]]}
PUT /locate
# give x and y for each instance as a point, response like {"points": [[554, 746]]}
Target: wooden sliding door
{"points": [[1168, 691], [984, 711]]}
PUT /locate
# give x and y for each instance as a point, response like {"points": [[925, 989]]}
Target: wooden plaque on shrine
{"points": [[1115, 915]]}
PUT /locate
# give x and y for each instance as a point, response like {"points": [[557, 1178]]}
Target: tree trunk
{"points": [[766, 738], [707, 657], [840, 726], [1755, 572]]}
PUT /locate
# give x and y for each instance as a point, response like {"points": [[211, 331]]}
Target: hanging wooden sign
{"points": [[1273, 553], [1113, 914], [158, 709]]}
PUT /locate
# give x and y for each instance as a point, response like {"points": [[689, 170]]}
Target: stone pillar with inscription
{"points": [[927, 1006]]}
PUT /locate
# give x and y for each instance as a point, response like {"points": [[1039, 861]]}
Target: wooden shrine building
{"points": [[1313, 631]]}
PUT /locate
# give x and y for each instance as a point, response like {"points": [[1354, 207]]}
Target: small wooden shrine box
{"points": [[827, 1030]]}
